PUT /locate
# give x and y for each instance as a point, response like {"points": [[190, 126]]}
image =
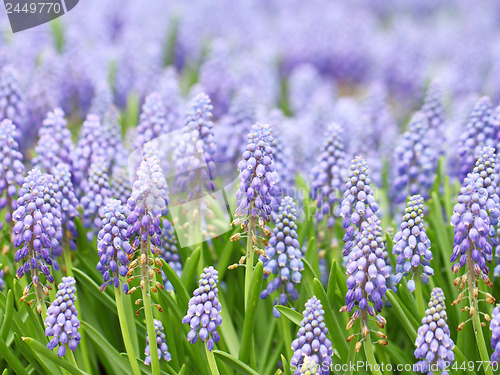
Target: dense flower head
{"points": [[434, 344], [113, 247], [358, 203], [412, 246], [54, 142], [367, 269], [256, 174], [415, 160], [203, 315], [475, 215], [96, 194], [283, 256], [328, 175], [495, 334], [152, 122], [120, 183], [170, 93], [112, 136], [479, 132], [38, 225], [161, 344], [169, 250], [311, 340], [62, 318], [12, 169], [12, 100], [434, 111], [102, 100], [147, 202], [67, 200]]}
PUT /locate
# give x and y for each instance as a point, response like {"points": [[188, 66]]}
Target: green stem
{"points": [[211, 361], [370, 357], [418, 296], [38, 286], [125, 332], [350, 356], [148, 310], [249, 263]]}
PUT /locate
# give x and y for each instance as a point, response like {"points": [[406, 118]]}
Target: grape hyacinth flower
{"points": [[54, 142], [358, 203], [283, 257], [2, 281], [474, 219], [37, 231], [12, 169], [152, 122], [120, 184], [434, 112], [412, 246], [434, 344], [113, 247], [415, 161], [495, 335], [161, 343], [12, 101], [311, 342], [62, 318], [102, 100], [328, 176], [203, 314], [169, 251], [95, 196], [112, 137], [367, 272]]}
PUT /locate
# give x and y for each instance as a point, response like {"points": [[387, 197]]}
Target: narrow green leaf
{"points": [[332, 281], [9, 311], [240, 367], [249, 322], [11, 359], [227, 329], [33, 358], [92, 287], [312, 255], [294, 316], [409, 328], [181, 292], [182, 371], [189, 271], [286, 366]]}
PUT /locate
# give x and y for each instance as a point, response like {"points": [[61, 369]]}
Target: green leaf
{"points": [[11, 359], [409, 328], [50, 355], [9, 311], [92, 287], [294, 316], [332, 281], [227, 328], [189, 271], [240, 367], [286, 366], [249, 322], [174, 279]]}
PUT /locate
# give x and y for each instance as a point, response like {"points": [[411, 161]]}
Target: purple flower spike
{"points": [[161, 342], [170, 251], [415, 161], [96, 194], [358, 203], [102, 100], [203, 314], [434, 112], [120, 184], [113, 247], [475, 215], [62, 318], [12, 101], [283, 256], [11, 170], [434, 344], [495, 335], [413, 247], [311, 344], [328, 176], [54, 144], [257, 174], [152, 122]]}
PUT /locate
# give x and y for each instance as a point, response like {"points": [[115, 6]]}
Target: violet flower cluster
{"points": [[161, 345], [120, 183], [12, 168], [311, 340], [283, 257], [434, 111], [203, 314], [495, 335], [475, 215], [113, 246], [412, 246], [152, 122], [12, 100], [62, 318], [169, 251], [328, 176], [434, 344], [358, 203], [256, 174]]}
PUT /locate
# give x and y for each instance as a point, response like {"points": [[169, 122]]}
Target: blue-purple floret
{"points": [[283, 257], [37, 230], [62, 318], [434, 344], [256, 174], [169, 251], [152, 122], [328, 176], [412, 246], [358, 203], [113, 247], [475, 215], [367, 270], [2, 281], [415, 161], [203, 315], [495, 335], [311, 341], [11, 169], [161, 344]]}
